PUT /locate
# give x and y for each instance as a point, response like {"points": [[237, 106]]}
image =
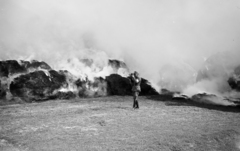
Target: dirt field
{"points": [[110, 123]]}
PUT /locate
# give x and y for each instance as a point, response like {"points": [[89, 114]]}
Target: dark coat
{"points": [[136, 82]]}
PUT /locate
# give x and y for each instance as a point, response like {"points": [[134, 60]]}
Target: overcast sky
{"points": [[144, 33]]}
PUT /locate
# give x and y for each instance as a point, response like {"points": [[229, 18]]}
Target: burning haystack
{"points": [[37, 85], [37, 81], [217, 82]]}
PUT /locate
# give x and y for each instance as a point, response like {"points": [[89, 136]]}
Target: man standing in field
{"points": [[136, 89]]}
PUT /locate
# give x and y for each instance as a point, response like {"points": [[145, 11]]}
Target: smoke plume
{"points": [[166, 41]]}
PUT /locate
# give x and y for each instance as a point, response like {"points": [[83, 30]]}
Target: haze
{"points": [[145, 34]]}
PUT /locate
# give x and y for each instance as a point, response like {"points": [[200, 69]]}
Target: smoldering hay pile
{"points": [[37, 81], [217, 82]]}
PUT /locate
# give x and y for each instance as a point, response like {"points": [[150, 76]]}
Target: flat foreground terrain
{"points": [[110, 123]]}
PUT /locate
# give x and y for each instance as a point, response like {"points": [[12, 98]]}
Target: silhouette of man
{"points": [[136, 89]]}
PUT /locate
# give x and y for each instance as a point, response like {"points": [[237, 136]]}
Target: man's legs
{"points": [[135, 100], [137, 106]]}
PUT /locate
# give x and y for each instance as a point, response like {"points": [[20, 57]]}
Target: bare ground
{"points": [[110, 123]]}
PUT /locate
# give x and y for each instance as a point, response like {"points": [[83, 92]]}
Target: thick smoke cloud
{"points": [[147, 35]]}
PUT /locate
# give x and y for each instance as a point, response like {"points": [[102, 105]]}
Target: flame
{"points": [[88, 70]]}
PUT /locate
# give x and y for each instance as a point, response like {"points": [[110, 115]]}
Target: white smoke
{"points": [[145, 34], [214, 75]]}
